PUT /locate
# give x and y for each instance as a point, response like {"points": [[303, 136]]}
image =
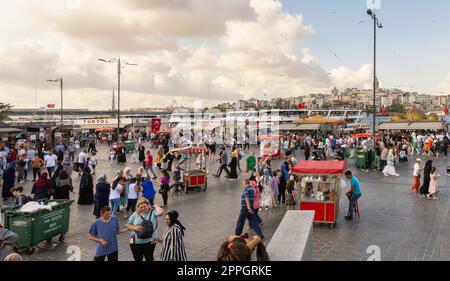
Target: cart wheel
{"points": [[29, 251]]}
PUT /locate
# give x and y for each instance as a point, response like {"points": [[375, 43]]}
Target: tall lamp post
{"points": [[376, 25], [61, 84], [119, 66]]}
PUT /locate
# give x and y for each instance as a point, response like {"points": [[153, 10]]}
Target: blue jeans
{"points": [[252, 222], [151, 199], [115, 204], [352, 202]]}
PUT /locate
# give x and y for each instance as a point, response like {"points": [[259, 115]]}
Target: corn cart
{"points": [[270, 146], [192, 178], [321, 188]]}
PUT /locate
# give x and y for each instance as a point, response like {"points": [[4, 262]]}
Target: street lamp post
{"points": [[61, 85], [376, 24], [119, 66]]}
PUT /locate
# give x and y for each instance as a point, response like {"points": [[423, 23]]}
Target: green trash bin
{"points": [[129, 146], [43, 225], [361, 159]]}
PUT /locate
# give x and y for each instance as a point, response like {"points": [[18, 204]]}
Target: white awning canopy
{"points": [[435, 125]]}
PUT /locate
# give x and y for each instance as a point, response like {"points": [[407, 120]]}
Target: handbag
{"points": [[147, 228]]}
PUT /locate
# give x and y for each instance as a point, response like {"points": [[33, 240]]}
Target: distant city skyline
{"points": [[215, 51]]}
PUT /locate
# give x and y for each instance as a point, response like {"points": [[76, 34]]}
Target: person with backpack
{"points": [[144, 223], [20, 199]]}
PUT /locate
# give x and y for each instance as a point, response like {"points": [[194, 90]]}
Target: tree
{"points": [[396, 108], [4, 110]]}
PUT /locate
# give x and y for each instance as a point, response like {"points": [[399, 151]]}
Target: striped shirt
{"points": [[173, 245]]}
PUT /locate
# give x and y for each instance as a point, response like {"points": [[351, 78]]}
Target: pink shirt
{"points": [[257, 198]]}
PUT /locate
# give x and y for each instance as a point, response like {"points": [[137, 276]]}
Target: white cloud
{"points": [[185, 50], [444, 87], [344, 77]]}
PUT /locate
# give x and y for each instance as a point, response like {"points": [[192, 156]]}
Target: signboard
{"points": [[85, 131], [58, 134], [41, 135], [33, 137], [209, 123]]}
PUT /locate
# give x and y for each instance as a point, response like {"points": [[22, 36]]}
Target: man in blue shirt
{"points": [[353, 194], [104, 232], [247, 211], [148, 191]]}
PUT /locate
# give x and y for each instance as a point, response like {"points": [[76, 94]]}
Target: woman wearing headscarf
{"points": [[172, 243], [389, 170], [233, 165], [426, 178], [63, 185], [101, 198], [266, 195], [9, 178], [40, 187], [86, 188]]}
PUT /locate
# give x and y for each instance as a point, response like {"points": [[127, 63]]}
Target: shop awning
{"points": [[326, 167], [298, 127], [436, 125]]}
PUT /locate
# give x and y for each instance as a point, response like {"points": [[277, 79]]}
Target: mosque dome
{"points": [[415, 115], [433, 117]]}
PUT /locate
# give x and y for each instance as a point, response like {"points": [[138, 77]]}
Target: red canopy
{"points": [[362, 135], [326, 167]]}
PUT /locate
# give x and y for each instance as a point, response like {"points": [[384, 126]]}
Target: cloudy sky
{"points": [[214, 51]]}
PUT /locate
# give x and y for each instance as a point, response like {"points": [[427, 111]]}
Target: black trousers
{"points": [[140, 251], [221, 168], [281, 191], [165, 193], [131, 205], [36, 171], [111, 257]]}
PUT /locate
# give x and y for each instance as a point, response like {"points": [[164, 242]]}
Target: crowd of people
{"points": [[131, 194]]}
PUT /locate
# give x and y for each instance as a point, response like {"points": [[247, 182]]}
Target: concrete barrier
{"points": [[293, 238]]}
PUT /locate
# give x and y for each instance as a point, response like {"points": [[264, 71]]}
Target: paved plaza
{"points": [[404, 226]]}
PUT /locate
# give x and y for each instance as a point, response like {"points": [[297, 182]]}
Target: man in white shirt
{"points": [[50, 162], [416, 175], [81, 161]]}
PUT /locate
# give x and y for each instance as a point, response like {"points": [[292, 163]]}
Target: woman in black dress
{"points": [[86, 188], [233, 165], [141, 150], [101, 197], [63, 185], [426, 177]]}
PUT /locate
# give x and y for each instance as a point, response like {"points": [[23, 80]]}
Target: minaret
{"points": [[113, 100]]}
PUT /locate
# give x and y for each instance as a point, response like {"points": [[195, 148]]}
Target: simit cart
{"points": [[320, 188]]}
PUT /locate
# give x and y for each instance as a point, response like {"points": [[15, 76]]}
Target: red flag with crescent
{"points": [[446, 110], [301, 105], [156, 124]]}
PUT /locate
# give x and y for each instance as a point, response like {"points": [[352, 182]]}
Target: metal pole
{"points": [[118, 98], [374, 67], [62, 114]]}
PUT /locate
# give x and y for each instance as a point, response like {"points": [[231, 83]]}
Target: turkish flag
{"points": [[51, 105], [446, 110], [156, 124], [301, 105]]}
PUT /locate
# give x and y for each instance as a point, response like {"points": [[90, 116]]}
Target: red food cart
{"points": [[320, 188], [270, 145], [192, 178]]}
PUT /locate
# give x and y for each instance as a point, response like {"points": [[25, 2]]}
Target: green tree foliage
{"points": [[4, 110]]}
